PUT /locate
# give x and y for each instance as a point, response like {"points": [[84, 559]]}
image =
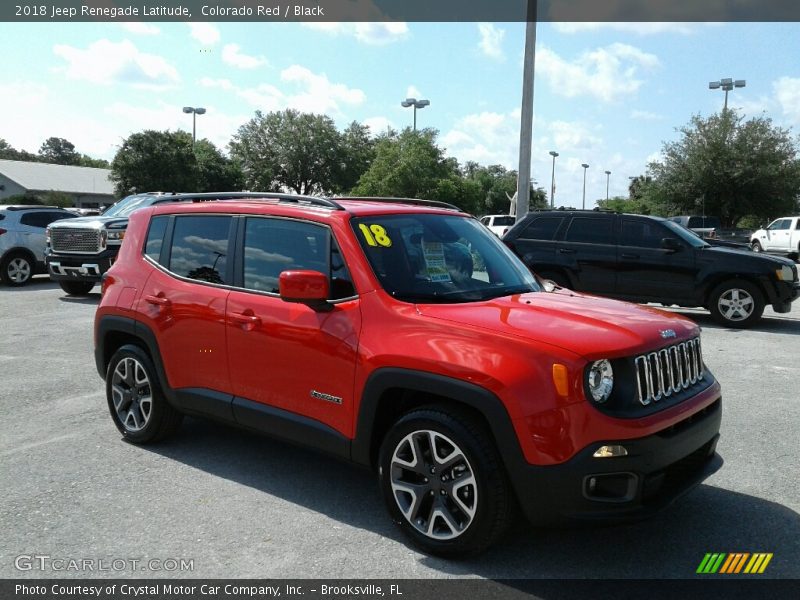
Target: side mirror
{"points": [[305, 287], [671, 244]]}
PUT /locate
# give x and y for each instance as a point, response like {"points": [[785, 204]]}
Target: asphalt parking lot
{"points": [[239, 505]]}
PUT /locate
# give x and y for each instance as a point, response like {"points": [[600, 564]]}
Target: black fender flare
{"points": [[474, 396]]}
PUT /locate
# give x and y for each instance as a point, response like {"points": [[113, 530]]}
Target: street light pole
{"points": [[194, 112], [416, 104], [727, 85], [585, 166], [608, 179], [553, 153]]}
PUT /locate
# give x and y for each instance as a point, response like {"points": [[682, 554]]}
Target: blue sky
{"points": [[605, 94]]}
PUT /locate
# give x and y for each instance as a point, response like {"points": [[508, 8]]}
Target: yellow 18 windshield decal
{"points": [[375, 235]]}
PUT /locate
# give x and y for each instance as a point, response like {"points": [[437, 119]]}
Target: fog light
{"points": [[610, 451]]}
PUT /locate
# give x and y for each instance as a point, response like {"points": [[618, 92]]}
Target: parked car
{"points": [[401, 335], [80, 251], [782, 236], [650, 259], [710, 228], [499, 224], [22, 243]]}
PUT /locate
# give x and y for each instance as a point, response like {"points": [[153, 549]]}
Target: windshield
{"points": [[126, 206], [704, 222], [440, 258], [687, 235]]}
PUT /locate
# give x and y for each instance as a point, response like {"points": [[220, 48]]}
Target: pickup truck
{"points": [[710, 228], [782, 236]]}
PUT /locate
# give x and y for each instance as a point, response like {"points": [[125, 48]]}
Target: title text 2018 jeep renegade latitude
{"points": [[404, 336]]}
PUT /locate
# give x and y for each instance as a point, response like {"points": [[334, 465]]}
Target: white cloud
{"points": [[569, 136], [232, 55], [636, 28], [315, 92], [413, 92], [105, 63], [140, 28], [378, 125], [609, 73], [486, 138], [787, 92], [491, 43], [371, 34], [205, 33], [644, 115]]}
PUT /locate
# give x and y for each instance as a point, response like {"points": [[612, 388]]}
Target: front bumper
{"points": [[657, 470], [81, 267], [787, 293]]}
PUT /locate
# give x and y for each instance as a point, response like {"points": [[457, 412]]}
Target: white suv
{"points": [[22, 241], [499, 224]]}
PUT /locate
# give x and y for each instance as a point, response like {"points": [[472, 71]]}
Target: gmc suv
{"points": [[79, 252], [650, 259], [404, 336]]}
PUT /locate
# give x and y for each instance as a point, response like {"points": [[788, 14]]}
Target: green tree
{"points": [[155, 161], [8, 152], [97, 163], [216, 172], [725, 166], [356, 156], [59, 151], [411, 165], [290, 150]]}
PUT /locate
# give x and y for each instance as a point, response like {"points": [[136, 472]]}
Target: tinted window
{"points": [[642, 233], [155, 237], [200, 247], [341, 282], [780, 224], [703, 222], [542, 228], [272, 246], [592, 230], [503, 221], [43, 218]]}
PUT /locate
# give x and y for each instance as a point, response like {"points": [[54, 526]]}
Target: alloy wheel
{"points": [[19, 270], [736, 304], [131, 394], [433, 484]]}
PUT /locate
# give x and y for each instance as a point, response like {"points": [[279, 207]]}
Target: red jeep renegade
{"points": [[403, 335]]}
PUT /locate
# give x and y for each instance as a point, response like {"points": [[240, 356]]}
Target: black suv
{"points": [[79, 252], [650, 259]]}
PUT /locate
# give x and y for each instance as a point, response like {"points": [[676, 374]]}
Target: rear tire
{"points": [[737, 304], [76, 288], [17, 269], [136, 401], [444, 483]]}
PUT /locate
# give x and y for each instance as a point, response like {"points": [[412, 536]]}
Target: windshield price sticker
{"points": [[375, 235], [434, 261]]}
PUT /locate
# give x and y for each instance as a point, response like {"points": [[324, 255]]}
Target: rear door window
{"points": [[541, 228], [200, 248], [591, 230]]}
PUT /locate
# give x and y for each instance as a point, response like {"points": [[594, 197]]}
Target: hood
{"points": [[96, 222], [747, 257], [590, 326]]}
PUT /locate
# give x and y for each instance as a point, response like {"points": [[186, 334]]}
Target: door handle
{"points": [[630, 256], [248, 320], [157, 300], [566, 251]]}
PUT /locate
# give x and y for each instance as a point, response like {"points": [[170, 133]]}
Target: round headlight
{"points": [[600, 380]]}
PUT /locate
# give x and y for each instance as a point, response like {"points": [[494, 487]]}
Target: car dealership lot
{"points": [[239, 505]]}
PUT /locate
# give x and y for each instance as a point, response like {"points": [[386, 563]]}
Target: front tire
{"points": [[17, 269], [756, 246], [738, 304], [136, 401], [76, 288], [444, 483]]}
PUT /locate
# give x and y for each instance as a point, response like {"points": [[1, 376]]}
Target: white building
{"points": [[89, 187]]}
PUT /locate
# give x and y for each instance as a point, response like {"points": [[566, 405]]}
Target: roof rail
{"points": [[413, 201], [255, 197]]}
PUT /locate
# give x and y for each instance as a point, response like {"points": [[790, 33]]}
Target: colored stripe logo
{"points": [[734, 563]]}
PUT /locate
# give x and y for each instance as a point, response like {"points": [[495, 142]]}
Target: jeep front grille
{"points": [[668, 371], [68, 239]]}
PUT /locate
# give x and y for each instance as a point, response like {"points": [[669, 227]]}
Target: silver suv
{"points": [[22, 229]]}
